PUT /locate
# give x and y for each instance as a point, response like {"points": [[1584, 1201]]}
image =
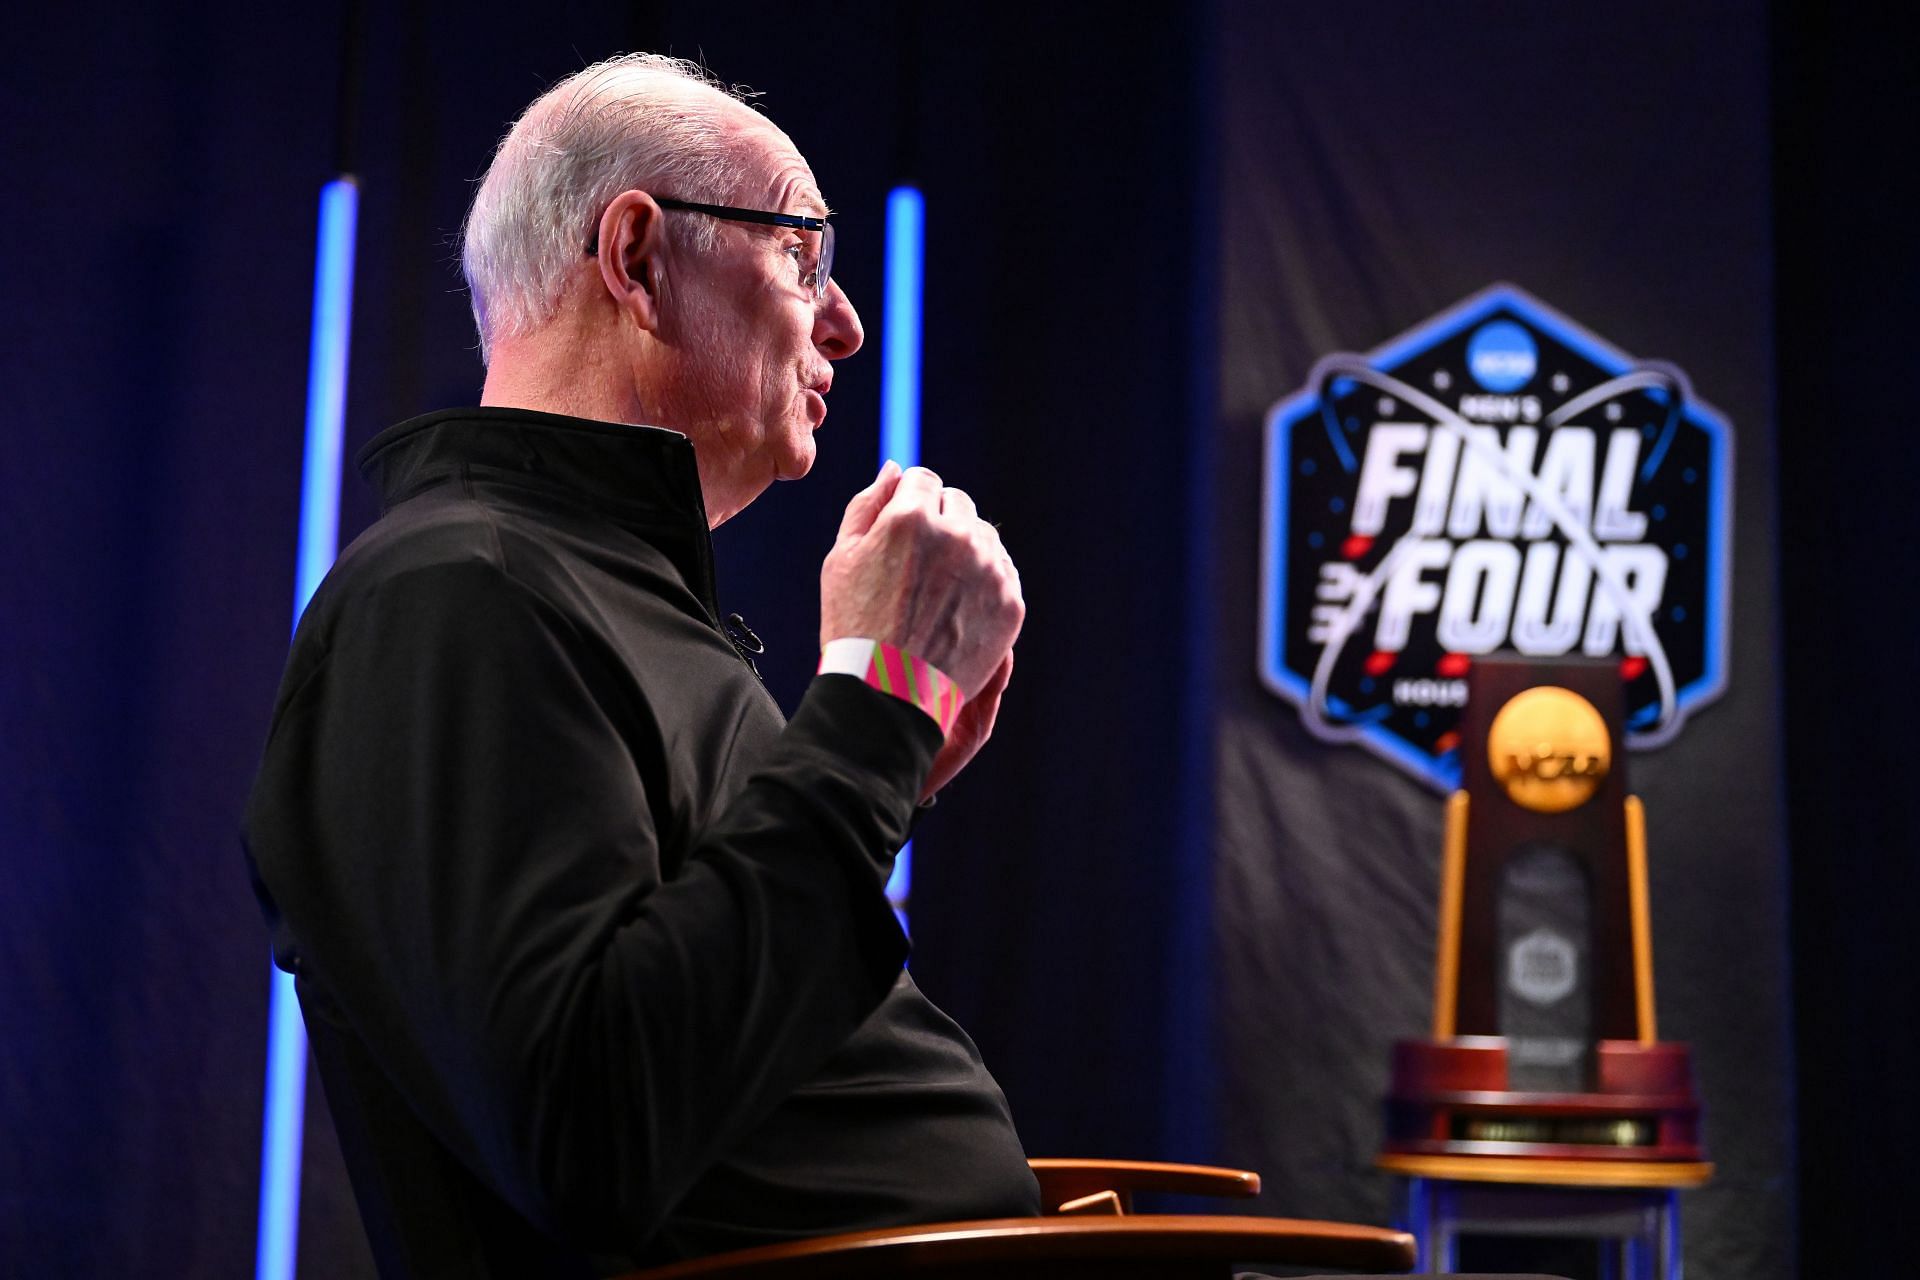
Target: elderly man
{"points": [[592, 942]]}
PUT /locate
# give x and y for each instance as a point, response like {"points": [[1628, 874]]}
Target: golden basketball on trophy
{"points": [[1549, 748]]}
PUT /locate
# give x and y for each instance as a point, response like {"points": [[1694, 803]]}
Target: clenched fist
{"points": [[915, 565]]}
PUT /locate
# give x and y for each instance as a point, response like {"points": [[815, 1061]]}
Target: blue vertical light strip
{"points": [[279, 1230], [326, 388], [900, 349], [900, 391]]}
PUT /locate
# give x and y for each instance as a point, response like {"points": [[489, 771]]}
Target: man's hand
{"points": [[915, 565]]}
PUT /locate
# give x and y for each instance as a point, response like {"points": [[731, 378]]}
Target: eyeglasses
{"points": [[814, 279]]}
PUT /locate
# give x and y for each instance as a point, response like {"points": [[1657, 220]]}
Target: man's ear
{"points": [[632, 254]]}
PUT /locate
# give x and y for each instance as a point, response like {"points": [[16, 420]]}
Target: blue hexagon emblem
{"points": [[1496, 479]]}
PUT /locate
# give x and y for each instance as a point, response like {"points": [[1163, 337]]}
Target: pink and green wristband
{"points": [[895, 671]]}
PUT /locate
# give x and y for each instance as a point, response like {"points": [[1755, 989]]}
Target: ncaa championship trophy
{"points": [[1544, 1102]]}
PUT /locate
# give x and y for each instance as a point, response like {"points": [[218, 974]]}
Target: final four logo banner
{"points": [[1496, 478]]}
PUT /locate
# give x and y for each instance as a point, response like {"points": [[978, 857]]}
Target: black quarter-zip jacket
{"points": [[592, 943]]}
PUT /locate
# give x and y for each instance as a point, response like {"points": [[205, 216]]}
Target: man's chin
{"points": [[796, 464]]}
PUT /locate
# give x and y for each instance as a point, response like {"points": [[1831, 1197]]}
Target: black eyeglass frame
{"points": [[728, 213]]}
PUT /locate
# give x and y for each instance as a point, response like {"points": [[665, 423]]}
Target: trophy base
{"points": [[1451, 1098]]}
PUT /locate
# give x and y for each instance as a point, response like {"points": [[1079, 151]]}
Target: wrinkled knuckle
{"points": [[912, 522]]}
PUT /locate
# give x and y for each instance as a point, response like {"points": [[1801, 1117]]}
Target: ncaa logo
{"points": [[1496, 479], [1501, 357]]}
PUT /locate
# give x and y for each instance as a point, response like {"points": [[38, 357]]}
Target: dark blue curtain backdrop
{"points": [[1847, 261], [1141, 232]]}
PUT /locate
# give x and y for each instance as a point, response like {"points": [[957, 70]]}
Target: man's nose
{"points": [[836, 325]]}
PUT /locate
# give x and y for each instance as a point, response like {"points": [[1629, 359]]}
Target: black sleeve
{"points": [[456, 840]]}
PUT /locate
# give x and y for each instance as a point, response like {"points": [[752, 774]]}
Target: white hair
{"points": [[640, 120]]}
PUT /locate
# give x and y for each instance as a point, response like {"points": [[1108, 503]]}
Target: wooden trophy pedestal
{"points": [[1450, 1098], [1473, 1157]]}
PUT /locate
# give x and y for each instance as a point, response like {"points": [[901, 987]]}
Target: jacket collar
{"points": [[639, 472], [638, 476]]}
